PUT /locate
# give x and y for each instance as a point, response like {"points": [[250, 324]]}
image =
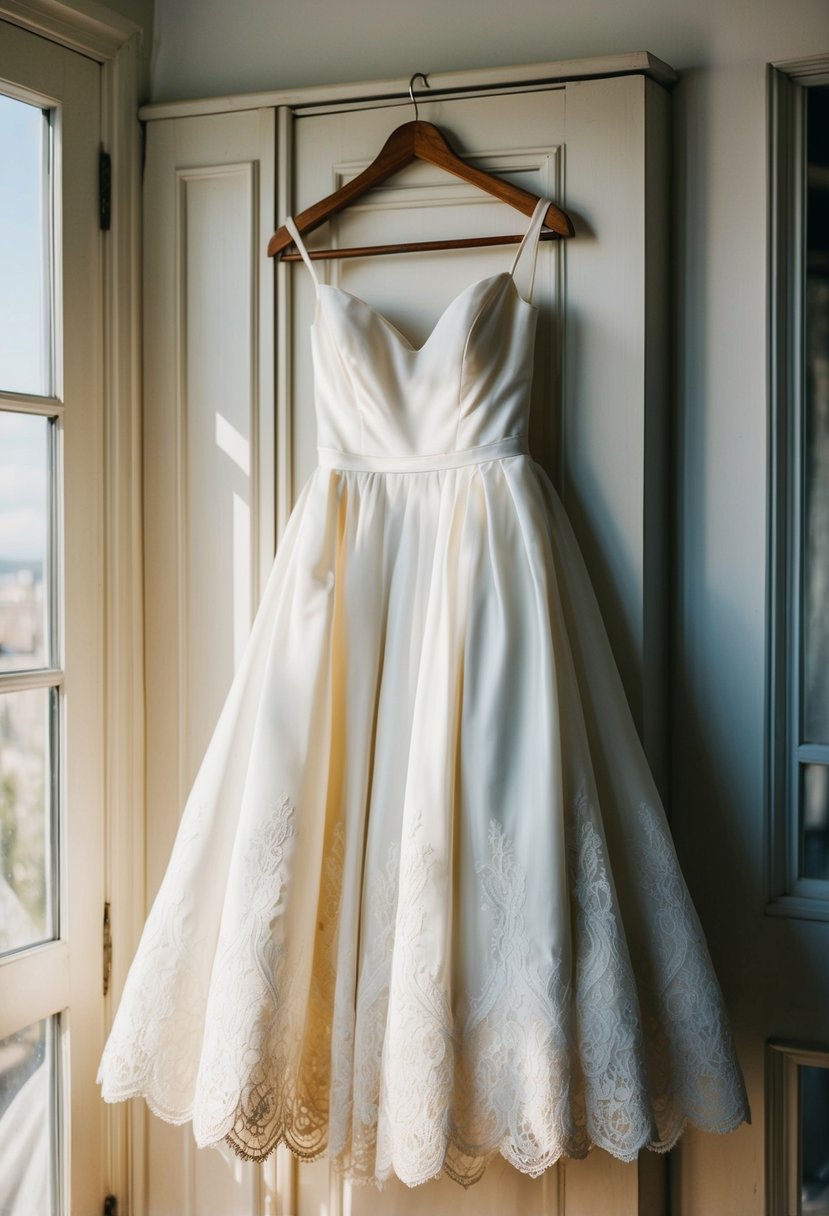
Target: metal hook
{"points": [[422, 76]]}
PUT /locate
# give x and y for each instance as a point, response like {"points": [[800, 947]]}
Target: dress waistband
{"points": [[512, 445]]}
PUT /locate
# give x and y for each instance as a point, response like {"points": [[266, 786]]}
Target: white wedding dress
{"points": [[423, 905]]}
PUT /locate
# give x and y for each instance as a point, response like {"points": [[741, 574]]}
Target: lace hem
{"points": [[547, 1056], [467, 1177]]}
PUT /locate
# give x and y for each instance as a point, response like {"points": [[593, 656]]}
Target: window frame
{"points": [[114, 42], [787, 892], [783, 1063], [47, 676]]}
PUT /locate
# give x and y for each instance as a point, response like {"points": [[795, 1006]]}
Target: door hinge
{"points": [[110, 1206], [107, 948], [104, 190]]}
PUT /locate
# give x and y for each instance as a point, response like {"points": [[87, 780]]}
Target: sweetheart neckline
{"points": [[416, 350]]}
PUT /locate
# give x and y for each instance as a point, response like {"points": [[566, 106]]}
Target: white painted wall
{"points": [[205, 47]]}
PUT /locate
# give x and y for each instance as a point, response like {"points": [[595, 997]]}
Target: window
{"points": [[797, 1130], [799, 537], [30, 672], [814, 528], [71, 697], [51, 652]]}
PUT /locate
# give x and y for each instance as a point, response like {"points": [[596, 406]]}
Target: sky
{"points": [[23, 467], [22, 337]]}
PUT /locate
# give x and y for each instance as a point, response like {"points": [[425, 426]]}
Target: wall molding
{"points": [[814, 69], [84, 26], [441, 84]]}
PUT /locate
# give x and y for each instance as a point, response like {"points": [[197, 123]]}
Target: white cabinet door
{"points": [[597, 423], [597, 147], [225, 458], [208, 373]]}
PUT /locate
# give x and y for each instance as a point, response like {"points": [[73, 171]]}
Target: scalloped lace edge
{"points": [[483, 1156]]}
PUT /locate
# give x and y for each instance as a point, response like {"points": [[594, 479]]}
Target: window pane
{"points": [[816, 426], [814, 1131], [27, 846], [816, 518], [814, 801], [25, 222], [28, 1124], [24, 541]]}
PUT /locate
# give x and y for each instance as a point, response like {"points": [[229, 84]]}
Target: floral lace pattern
{"points": [[693, 1072], [415, 1078], [609, 1034], [164, 997], [359, 1110], [515, 1038], [234, 1095], [418, 1048]]}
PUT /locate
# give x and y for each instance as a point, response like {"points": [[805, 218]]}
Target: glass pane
{"points": [[26, 820], [814, 1133], [24, 541], [28, 1122], [814, 801], [25, 223], [816, 426]]}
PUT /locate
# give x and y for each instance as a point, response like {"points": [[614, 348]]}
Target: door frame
{"points": [[114, 41]]}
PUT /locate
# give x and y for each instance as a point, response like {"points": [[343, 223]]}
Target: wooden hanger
{"points": [[417, 140]]}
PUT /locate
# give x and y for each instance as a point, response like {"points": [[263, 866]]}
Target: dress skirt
{"points": [[423, 905]]}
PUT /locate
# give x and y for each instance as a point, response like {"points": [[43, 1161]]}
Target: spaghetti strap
{"points": [[528, 249], [294, 231]]}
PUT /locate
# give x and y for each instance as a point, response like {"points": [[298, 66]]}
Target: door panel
{"points": [[597, 422], [208, 444], [551, 142]]}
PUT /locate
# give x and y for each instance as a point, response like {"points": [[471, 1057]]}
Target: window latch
{"points": [[107, 959]]}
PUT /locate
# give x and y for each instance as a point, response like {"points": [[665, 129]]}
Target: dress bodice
{"points": [[380, 399]]}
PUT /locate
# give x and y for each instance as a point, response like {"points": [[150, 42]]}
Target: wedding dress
{"points": [[423, 905]]}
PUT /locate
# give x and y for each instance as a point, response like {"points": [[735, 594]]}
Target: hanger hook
{"points": [[422, 76]]}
